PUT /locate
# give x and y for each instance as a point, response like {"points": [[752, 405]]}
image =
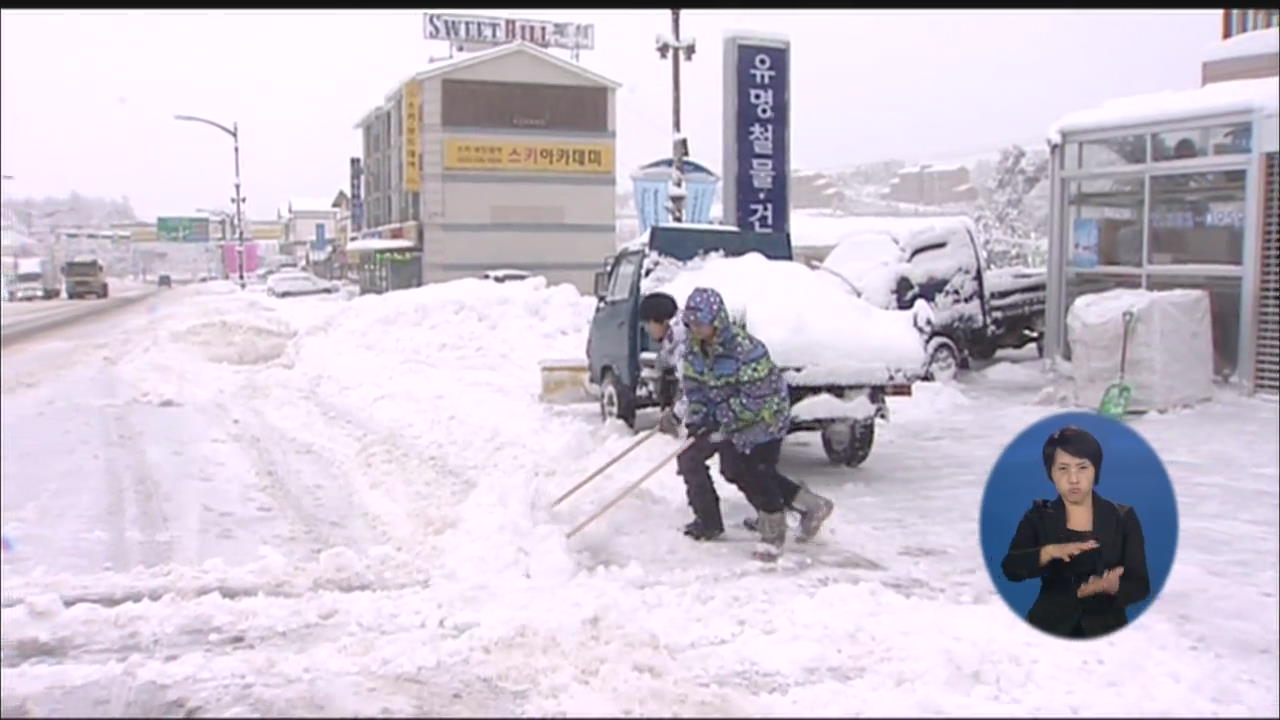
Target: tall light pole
{"points": [[234, 132], [676, 48]]}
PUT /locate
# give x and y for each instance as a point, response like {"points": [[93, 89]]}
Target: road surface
{"points": [[22, 320]]}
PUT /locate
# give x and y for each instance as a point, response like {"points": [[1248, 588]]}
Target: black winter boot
{"points": [[698, 531]]}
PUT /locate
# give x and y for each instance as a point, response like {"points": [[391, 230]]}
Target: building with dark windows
{"points": [[1238, 22], [1177, 190], [499, 159]]}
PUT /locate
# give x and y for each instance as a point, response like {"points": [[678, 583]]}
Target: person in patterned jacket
{"points": [[658, 312], [737, 402]]}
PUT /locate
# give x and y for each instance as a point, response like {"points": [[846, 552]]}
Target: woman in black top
{"points": [[1087, 551]]}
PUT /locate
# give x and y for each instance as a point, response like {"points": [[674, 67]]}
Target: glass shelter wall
{"points": [[1159, 210]]}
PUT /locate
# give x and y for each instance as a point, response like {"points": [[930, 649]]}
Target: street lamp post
{"points": [[234, 132]]}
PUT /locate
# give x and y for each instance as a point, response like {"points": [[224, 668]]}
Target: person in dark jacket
{"points": [[738, 405], [1087, 551]]}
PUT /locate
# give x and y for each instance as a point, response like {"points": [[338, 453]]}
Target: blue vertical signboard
{"points": [[760, 135], [357, 197]]}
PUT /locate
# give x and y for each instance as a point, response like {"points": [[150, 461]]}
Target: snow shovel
{"points": [[639, 441], [1115, 401], [630, 489]]}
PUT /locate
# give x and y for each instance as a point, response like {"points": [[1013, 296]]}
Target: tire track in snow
{"points": [[301, 477], [133, 484]]}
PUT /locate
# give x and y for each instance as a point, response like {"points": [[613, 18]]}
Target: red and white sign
{"points": [[482, 31]]}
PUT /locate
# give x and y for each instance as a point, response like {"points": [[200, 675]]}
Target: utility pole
{"points": [[676, 48]]}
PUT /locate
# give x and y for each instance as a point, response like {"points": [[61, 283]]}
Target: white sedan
{"points": [[292, 283]]}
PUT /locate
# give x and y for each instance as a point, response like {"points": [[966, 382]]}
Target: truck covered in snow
{"points": [[33, 278], [975, 309], [84, 275], [841, 356]]}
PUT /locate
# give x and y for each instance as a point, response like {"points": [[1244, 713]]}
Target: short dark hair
{"points": [[1076, 443], [657, 307]]}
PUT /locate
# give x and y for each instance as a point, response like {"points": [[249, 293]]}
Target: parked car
{"points": [[293, 283], [164, 281], [976, 309], [505, 275]]}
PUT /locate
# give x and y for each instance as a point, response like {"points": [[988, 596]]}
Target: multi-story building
{"points": [[308, 224], [932, 185], [502, 158], [1237, 22], [1243, 56]]}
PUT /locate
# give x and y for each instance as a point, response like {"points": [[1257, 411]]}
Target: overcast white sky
{"points": [[87, 98]]}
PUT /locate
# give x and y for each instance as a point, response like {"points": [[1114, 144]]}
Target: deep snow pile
{"points": [[445, 380], [808, 318]]}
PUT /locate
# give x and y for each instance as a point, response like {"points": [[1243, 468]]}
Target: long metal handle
{"points": [[630, 489], [639, 441], [1124, 343]]}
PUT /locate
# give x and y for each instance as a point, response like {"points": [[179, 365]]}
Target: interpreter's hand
{"points": [[1108, 582], [668, 423], [1066, 551]]}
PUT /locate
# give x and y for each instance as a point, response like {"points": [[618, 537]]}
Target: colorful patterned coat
{"points": [[730, 383]]}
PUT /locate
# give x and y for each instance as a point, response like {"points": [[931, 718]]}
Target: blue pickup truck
{"points": [[621, 356]]}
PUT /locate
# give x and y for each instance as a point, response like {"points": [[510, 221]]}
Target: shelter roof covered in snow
{"points": [[1235, 96]]}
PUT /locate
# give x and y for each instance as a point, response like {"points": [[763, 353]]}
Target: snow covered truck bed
{"points": [[840, 354]]}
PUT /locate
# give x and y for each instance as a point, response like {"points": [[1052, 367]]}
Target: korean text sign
{"points": [[762, 129], [412, 142], [528, 156]]}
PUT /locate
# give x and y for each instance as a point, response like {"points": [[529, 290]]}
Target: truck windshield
{"points": [[29, 277], [685, 243], [82, 269]]}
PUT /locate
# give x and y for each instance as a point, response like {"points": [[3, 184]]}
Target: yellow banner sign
{"points": [[561, 157], [412, 120]]}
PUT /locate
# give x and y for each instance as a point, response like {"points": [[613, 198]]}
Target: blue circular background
{"points": [[1132, 474]]}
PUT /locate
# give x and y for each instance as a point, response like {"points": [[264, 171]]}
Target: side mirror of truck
{"points": [[602, 284]]}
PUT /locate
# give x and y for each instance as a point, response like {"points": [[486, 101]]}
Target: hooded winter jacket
{"points": [[730, 382]]}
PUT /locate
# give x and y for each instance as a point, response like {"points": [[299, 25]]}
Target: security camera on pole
{"points": [[675, 47]]}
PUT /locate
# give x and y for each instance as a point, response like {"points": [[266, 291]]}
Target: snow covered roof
{"points": [[1257, 42], [1224, 98], [820, 228], [927, 167], [688, 166], [757, 35], [14, 238], [310, 205], [447, 66]]}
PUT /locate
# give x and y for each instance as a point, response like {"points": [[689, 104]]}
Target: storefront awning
{"points": [[379, 245]]}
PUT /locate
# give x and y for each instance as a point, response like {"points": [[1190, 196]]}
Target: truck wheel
{"points": [[848, 442], [616, 400], [944, 360], [105, 292]]}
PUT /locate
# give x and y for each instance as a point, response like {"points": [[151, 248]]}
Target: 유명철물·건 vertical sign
{"points": [[757, 133]]}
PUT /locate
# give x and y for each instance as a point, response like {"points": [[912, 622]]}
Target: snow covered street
{"points": [[225, 504]]}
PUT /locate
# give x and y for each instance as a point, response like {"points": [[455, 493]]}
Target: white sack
{"points": [[1170, 361]]}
